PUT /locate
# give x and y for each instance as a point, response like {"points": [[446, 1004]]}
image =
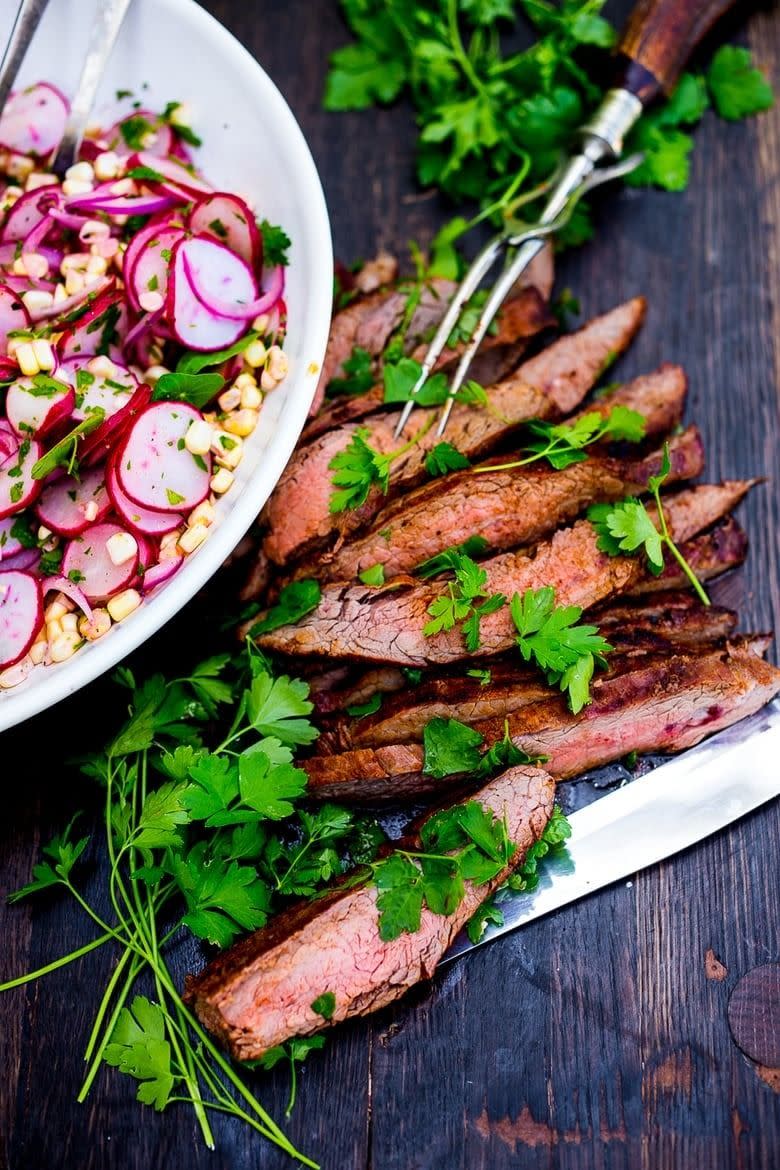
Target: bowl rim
{"points": [[58, 681]]}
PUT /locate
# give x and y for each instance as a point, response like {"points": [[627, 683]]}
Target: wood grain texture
{"points": [[658, 40], [597, 1038]]}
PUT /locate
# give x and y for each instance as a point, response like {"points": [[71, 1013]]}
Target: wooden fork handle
{"points": [[658, 40]]}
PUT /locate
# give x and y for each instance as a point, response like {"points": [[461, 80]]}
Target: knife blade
{"points": [[652, 818]]}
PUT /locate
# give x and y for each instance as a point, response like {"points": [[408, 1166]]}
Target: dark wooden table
{"points": [[598, 1037]]}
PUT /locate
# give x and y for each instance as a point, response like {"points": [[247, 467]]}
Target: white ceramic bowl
{"points": [[171, 50]]}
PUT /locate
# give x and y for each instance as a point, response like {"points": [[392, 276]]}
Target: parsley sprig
{"points": [[628, 527], [359, 467], [562, 444], [461, 604]]}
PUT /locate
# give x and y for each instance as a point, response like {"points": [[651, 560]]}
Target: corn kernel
{"points": [[102, 366], [76, 187], [193, 538], [221, 481], [37, 299], [25, 356], [229, 399], [64, 646], [60, 294], [44, 354], [93, 230], [277, 362], [74, 283], [18, 166], [123, 604], [96, 266], [255, 354], [168, 549], [80, 172], [96, 626], [267, 381], [38, 651], [251, 398], [70, 622], [121, 548], [53, 630], [90, 511], [39, 179], [54, 611], [204, 513], [150, 302], [260, 324], [74, 262], [107, 166], [241, 423], [229, 449], [35, 264], [245, 379], [198, 437]]}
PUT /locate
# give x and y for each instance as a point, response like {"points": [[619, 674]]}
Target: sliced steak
{"points": [[666, 704], [386, 624], [522, 317], [260, 992], [553, 383], [511, 507]]}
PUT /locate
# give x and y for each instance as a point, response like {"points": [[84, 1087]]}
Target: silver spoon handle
{"points": [[27, 19], [108, 21]]}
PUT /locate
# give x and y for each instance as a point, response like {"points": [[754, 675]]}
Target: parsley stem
{"points": [[103, 1008], [673, 549], [56, 963], [461, 55], [97, 1059]]}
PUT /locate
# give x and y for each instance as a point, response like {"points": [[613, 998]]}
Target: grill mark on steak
{"points": [[386, 624], [664, 704], [678, 618], [551, 384], [522, 317], [259, 993], [517, 506]]}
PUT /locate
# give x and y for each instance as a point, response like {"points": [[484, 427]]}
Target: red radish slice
{"points": [[227, 218], [146, 268], [64, 506], [26, 213], [221, 281], [205, 285], [17, 486], [109, 392], [192, 323], [124, 204], [172, 172], [161, 572], [141, 520], [13, 314], [160, 136], [21, 615], [100, 442], [26, 559], [87, 563], [9, 545], [102, 327], [37, 405], [33, 120], [154, 467]]}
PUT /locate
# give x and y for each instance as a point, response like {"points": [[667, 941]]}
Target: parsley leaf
{"points": [[370, 707], [197, 389], [449, 557], [295, 600], [459, 604], [63, 853], [562, 444], [549, 637], [138, 1047], [223, 898], [444, 458], [450, 747], [358, 376], [275, 244], [374, 575], [325, 1005], [737, 88], [274, 707]]}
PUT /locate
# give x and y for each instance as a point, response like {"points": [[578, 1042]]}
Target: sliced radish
{"points": [[36, 405], [13, 314], [172, 172], [154, 467], [141, 520], [108, 392], [192, 323], [147, 266], [26, 559], [159, 134], [88, 564], [161, 572], [101, 329], [33, 120], [9, 545], [227, 218], [26, 213], [70, 505], [21, 615], [221, 281], [100, 442], [71, 591], [17, 486]]}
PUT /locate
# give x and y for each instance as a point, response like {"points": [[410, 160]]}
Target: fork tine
{"points": [[483, 262], [27, 19], [500, 291]]}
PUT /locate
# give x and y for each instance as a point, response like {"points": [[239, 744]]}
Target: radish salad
{"points": [[142, 319]]}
